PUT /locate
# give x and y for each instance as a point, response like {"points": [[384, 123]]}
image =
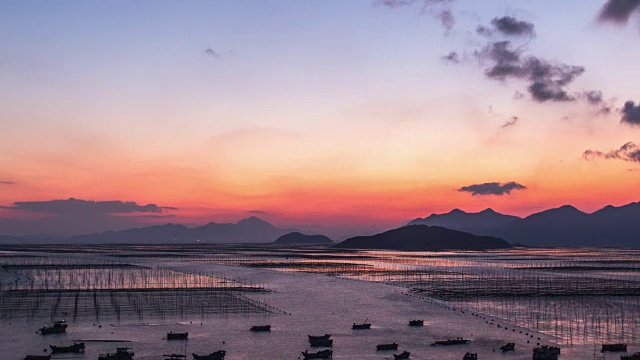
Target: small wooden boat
{"points": [[404, 355], [392, 346], [217, 355], [37, 357], [635, 356], [546, 353], [57, 328], [416, 322], [508, 347], [362, 326], [324, 354], [470, 356], [122, 353], [458, 341], [177, 336], [614, 347], [321, 343], [321, 337], [261, 328], [75, 348]]}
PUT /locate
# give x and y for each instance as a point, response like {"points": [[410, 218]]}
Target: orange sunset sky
{"points": [[328, 116]]}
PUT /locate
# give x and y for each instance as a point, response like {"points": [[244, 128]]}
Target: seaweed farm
{"points": [[581, 296], [576, 298], [81, 287]]}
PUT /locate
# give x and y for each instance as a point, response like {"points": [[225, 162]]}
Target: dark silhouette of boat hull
{"points": [[321, 337], [324, 354], [177, 336], [120, 354], [546, 353], [451, 342], [58, 327], [393, 346], [261, 328], [416, 323], [361, 326], [508, 347], [614, 347], [218, 355], [75, 348], [404, 355], [321, 343]]}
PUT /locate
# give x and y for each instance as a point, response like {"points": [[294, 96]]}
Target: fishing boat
{"points": [[75, 348], [635, 356], [177, 336], [404, 355], [470, 356], [614, 347], [361, 326], [458, 341], [57, 328], [546, 353], [392, 346], [321, 337], [508, 347], [217, 355], [324, 354], [261, 328], [37, 357], [321, 343], [416, 322], [122, 353]]}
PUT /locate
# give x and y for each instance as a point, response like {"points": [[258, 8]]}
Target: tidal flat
{"points": [[133, 296]]}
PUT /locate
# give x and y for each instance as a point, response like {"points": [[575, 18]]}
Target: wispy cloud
{"points": [[7, 183], [439, 9], [492, 188], [507, 26], [210, 52], [547, 80], [511, 122], [505, 57], [628, 152]]}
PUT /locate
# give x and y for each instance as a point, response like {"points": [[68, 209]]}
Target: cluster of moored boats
{"points": [[544, 352], [326, 341]]}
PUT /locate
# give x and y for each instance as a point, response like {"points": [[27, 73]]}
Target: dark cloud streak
{"points": [[511, 26], [76, 206], [618, 11], [493, 188], [630, 113]]}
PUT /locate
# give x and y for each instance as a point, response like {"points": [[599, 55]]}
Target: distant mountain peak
{"points": [[488, 211], [253, 221], [457, 211], [570, 208]]}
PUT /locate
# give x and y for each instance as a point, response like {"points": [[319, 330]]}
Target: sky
{"points": [[332, 116]]}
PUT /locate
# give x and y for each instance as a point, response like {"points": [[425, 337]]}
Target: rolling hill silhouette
{"points": [[563, 226], [424, 238]]}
